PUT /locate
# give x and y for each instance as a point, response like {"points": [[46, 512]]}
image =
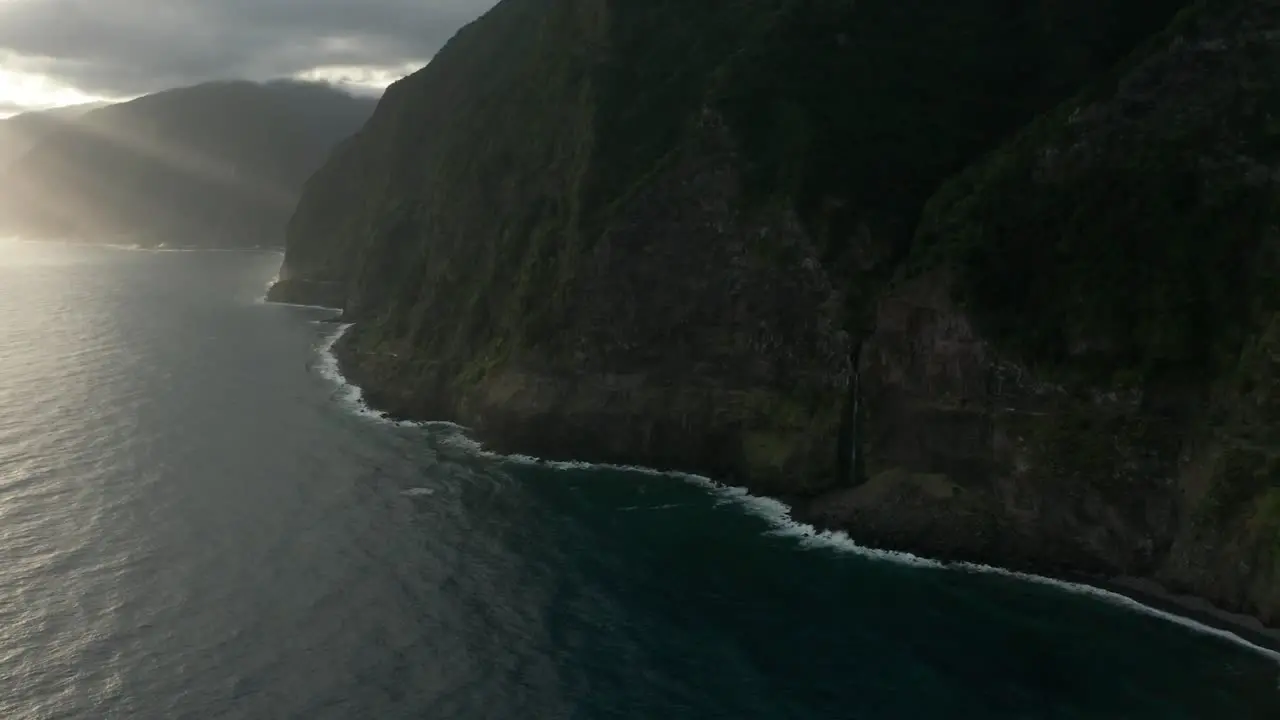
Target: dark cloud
{"points": [[128, 47]]}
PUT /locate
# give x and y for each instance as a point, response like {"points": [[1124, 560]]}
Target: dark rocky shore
{"points": [[918, 530]]}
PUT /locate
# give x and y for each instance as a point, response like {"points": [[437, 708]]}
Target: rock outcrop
{"points": [[1082, 349]]}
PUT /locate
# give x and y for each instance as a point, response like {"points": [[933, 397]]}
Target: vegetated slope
{"points": [[651, 232], [1086, 339], [214, 164], [693, 237]]}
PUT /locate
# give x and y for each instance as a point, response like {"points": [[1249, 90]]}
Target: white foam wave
{"points": [[650, 508], [1123, 601], [265, 301], [250, 249], [266, 291], [578, 465], [349, 394], [461, 441], [776, 513], [418, 492], [138, 247]]}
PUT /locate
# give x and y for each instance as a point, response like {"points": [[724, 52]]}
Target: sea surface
{"points": [[198, 520]]}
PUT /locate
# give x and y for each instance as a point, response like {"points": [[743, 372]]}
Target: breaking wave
{"points": [[776, 513]]}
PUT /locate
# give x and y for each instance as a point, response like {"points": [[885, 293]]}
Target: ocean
{"points": [[200, 519]]}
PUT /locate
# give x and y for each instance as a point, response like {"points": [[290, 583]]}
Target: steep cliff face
{"points": [[1077, 366], [852, 113], [741, 240], [654, 232]]}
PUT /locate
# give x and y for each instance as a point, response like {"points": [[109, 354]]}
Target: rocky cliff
{"points": [[846, 253], [1079, 360], [218, 164]]}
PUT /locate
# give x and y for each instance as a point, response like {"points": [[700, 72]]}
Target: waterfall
{"points": [[856, 430], [849, 459]]}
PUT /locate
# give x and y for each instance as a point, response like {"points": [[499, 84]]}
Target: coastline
{"points": [[1142, 595], [1139, 594], [330, 295], [1150, 592]]}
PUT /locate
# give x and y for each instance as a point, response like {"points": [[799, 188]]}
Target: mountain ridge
{"points": [[220, 164]]}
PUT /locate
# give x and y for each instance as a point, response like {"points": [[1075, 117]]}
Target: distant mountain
{"points": [[20, 133], [218, 164]]}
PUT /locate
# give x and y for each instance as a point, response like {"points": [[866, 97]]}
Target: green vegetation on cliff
{"points": [[852, 113], [701, 199], [1129, 242], [1129, 230], [667, 233], [856, 112]]}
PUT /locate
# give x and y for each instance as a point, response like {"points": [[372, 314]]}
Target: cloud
{"points": [[121, 48], [21, 90]]}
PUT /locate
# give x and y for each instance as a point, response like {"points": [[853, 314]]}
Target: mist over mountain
{"points": [[216, 164], [19, 133]]}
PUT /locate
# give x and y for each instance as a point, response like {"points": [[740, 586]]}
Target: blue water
{"points": [[195, 523]]}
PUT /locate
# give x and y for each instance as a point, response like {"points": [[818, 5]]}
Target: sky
{"points": [[65, 52]]}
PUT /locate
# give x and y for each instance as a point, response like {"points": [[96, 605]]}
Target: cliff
{"points": [[849, 254], [1083, 347], [219, 164]]}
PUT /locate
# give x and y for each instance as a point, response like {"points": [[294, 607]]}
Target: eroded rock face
{"points": [[321, 293], [653, 232], [1227, 547], [1083, 336], [971, 455], [696, 336]]}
